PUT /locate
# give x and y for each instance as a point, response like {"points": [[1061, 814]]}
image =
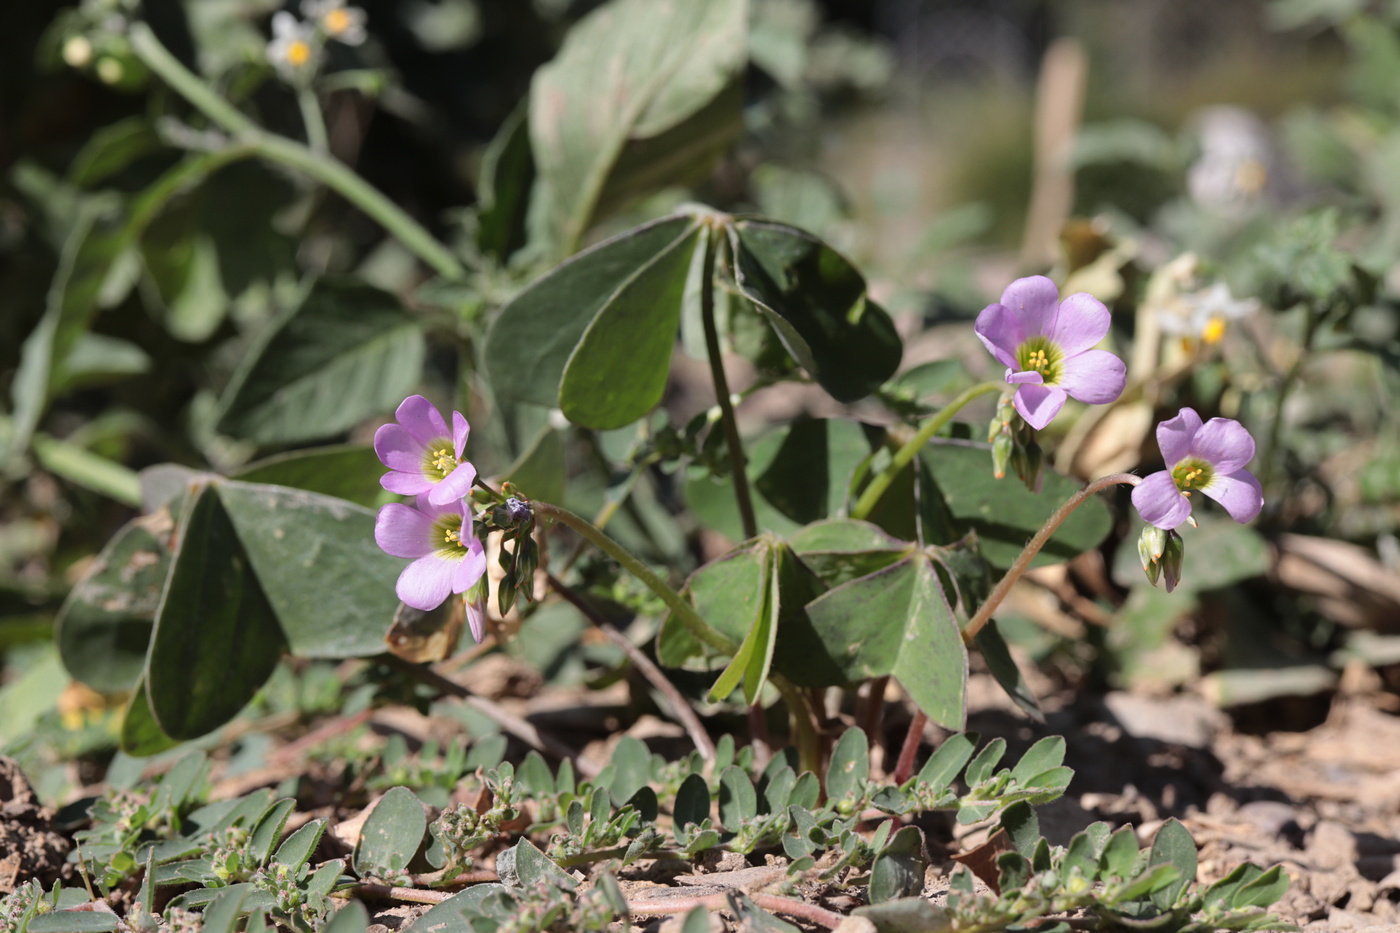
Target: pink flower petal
{"points": [[1001, 333], [1159, 502], [1029, 377], [1035, 302], [470, 568], [1094, 376], [460, 430], [1174, 435], [476, 617], [1225, 444], [1240, 494], [398, 449], [406, 484], [402, 531], [1082, 322], [426, 582], [422, 419], [1039, 404], [453, 487]]}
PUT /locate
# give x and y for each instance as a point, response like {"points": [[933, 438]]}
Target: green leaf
{"points": [[898, 870], [638, 73], [348, 352], [632, 762], [344, 471], [112, 148], [816, 302], [729, 593], [541, 471], [906, 915], [894, 621], [300, 845], [617, 371], [221, 916], [1005, 514], [848, 772], [351, 918], [1004, 670], [947, 761], [90, 470], [982, 766], [524, 865], [265, 832], [330, 585], [503, 192], [451, 915], [104, 626], [755, 655], [96, 240], [74, 921], [692, 805], [738, 801], [392, 834], [696, 920], [1262, 891], [1120, 854], [141, 735], [530, 342], [807, 475], [1173, 845], [1044, 755], [840, 535], [216, 637], [1022, 826]]}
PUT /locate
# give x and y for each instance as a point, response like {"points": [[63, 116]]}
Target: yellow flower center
{"points": [[1214, 330], [1040, 355], [298, 53], [337, 21], [1192, 473]]}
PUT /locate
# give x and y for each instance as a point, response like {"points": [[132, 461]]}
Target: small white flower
{"points": [[338, 21], [1206, 314], [294, 50]]}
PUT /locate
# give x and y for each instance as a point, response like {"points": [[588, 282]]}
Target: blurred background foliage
{"points": [[1262, 137]]}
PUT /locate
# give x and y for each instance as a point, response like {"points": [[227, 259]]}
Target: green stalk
{"points": [[738, 463], [329, 171], [902, 457], [683, 611], [1023, 561], [315, 122]]}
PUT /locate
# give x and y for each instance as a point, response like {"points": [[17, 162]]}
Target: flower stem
{"points": [[870, 497], [682, 709], [737, 461], [683, 611], [325, 169], [905, 765], [315, 122], [1023, 561]]}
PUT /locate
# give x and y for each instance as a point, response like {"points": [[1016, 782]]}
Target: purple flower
{"points": [[447, 556], [422, 455], [1047, 348], [1209, 457]]}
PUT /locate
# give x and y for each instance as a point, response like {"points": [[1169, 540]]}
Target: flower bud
{"points": [[1151, 543], [1002, 448], [1173, 557]]}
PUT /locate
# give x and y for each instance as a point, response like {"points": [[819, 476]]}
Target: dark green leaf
{"points": [[617, 372], [661, 66], [1005, 514], [738, 802], [1261, 891], [351, 918], [1120, 854], [1022, 826], [849, 769], [104, 626], [530, 342], [524, 865], [216, 638], [297, 850], [344, 471], [1173, 845], [221, 916], [1003, 668], [898, 870], [816, 302], [451, 915], [692, 804], [507, 172], [264, 833], [349, 352], [315, 557], [392, 834]]}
